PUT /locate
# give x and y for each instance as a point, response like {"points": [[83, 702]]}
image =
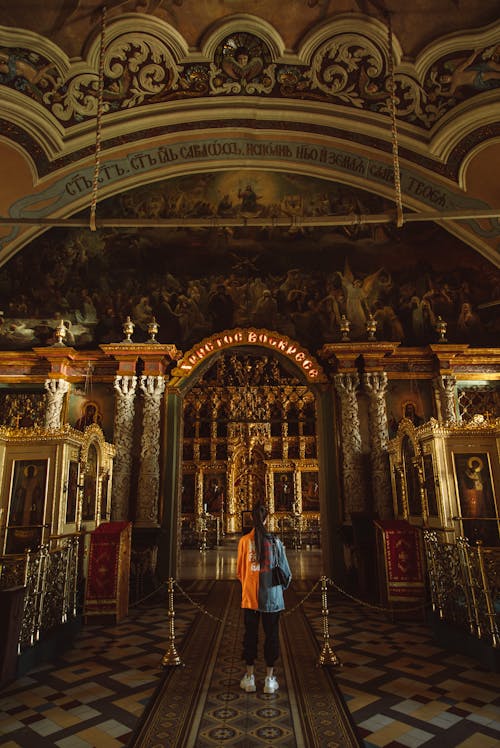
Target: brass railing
{"points": [[465, 585], [297, 531], [50, 575]]}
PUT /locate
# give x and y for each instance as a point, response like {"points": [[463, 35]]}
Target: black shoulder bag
{"points": [[279, 577]]}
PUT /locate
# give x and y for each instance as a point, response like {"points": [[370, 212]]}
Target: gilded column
{"points": [[270, 495], [447, 388], [125, 387], [346, 386], [376, 386], [152, 388], [56, 390]]}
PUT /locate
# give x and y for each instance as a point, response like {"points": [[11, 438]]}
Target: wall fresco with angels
{"points": [[298, 281]]}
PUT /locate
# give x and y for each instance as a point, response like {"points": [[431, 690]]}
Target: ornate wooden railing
{"points": [[465, 585], [51, 576]]}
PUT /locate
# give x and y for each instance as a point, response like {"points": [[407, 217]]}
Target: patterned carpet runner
{"points": [[201, 704]]}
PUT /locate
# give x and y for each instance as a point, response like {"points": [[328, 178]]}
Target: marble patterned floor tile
{"points": [[400, 687]]}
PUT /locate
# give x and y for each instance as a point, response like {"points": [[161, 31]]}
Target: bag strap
{"points": [[274, 541]]}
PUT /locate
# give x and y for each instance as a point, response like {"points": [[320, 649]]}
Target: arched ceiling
{"points": [[312, 97]]}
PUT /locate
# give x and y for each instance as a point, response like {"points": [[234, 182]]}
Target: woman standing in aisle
{"points": [[261, 597]]}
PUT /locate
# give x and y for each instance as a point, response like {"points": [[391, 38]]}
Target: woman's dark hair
{"points": [[259, 514]]}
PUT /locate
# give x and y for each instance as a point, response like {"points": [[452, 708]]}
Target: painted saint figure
{"points": [[28, 497]]}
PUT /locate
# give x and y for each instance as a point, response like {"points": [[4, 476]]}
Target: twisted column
{"points": [[447, 389], [123, 434], [354, 493], [149, 472], [56, 390], [376, 386]]}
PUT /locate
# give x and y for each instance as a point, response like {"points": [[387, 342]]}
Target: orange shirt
{"points": [[257, 589], [247, 571]]}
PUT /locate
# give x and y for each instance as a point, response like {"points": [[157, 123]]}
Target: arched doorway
{"points": [[249, 407]]}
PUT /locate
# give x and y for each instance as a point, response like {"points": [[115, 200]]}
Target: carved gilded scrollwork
{"points": [[152, 65], [247, 419], [137, 68], [336, 60], [22, 409], [13, 572]]}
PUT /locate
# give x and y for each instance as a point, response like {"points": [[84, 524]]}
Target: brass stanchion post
{"points": [[327, 655], [171, 657]]}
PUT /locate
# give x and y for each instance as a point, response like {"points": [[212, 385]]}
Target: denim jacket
{"points": [[257, 591]]}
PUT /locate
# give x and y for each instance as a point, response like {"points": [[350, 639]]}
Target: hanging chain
{"points": [[290, 611], [303, 599], [394, 127], [98, 128], [206, 612], [136, 603], [379, 608], [199, 607]]}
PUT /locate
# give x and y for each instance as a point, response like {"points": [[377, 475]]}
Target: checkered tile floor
{"points": [[404, 690], [400, 687]]}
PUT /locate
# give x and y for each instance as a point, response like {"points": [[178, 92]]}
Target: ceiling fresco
{"points": [[245, 116], [416, 23], [298, 281]]}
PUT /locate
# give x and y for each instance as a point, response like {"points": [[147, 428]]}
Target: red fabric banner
{"points": [[404, 563], [103, 570], [104, 567]]}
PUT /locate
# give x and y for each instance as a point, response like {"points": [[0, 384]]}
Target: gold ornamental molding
{"points": [[344, 356], [36, 434], [156, 356]]}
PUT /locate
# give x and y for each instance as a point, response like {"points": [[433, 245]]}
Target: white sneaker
{"points": [[247, 683], [270, 684]]}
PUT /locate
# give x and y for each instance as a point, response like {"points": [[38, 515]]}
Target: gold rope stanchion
{"points": [[394, 128], [171, 658], [327, 655], [100, 96]]}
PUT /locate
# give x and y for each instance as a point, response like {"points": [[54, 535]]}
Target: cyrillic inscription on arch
{"points": [[288, 348]]}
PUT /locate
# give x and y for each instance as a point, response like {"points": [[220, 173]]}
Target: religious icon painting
{"points": [[27, 504], [476, 497], [90, 413], [284, 494], [214, 485], [310, 491], [27, 496]]}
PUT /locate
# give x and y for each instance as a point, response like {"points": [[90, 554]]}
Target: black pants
{"points": [[270, 624]]}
